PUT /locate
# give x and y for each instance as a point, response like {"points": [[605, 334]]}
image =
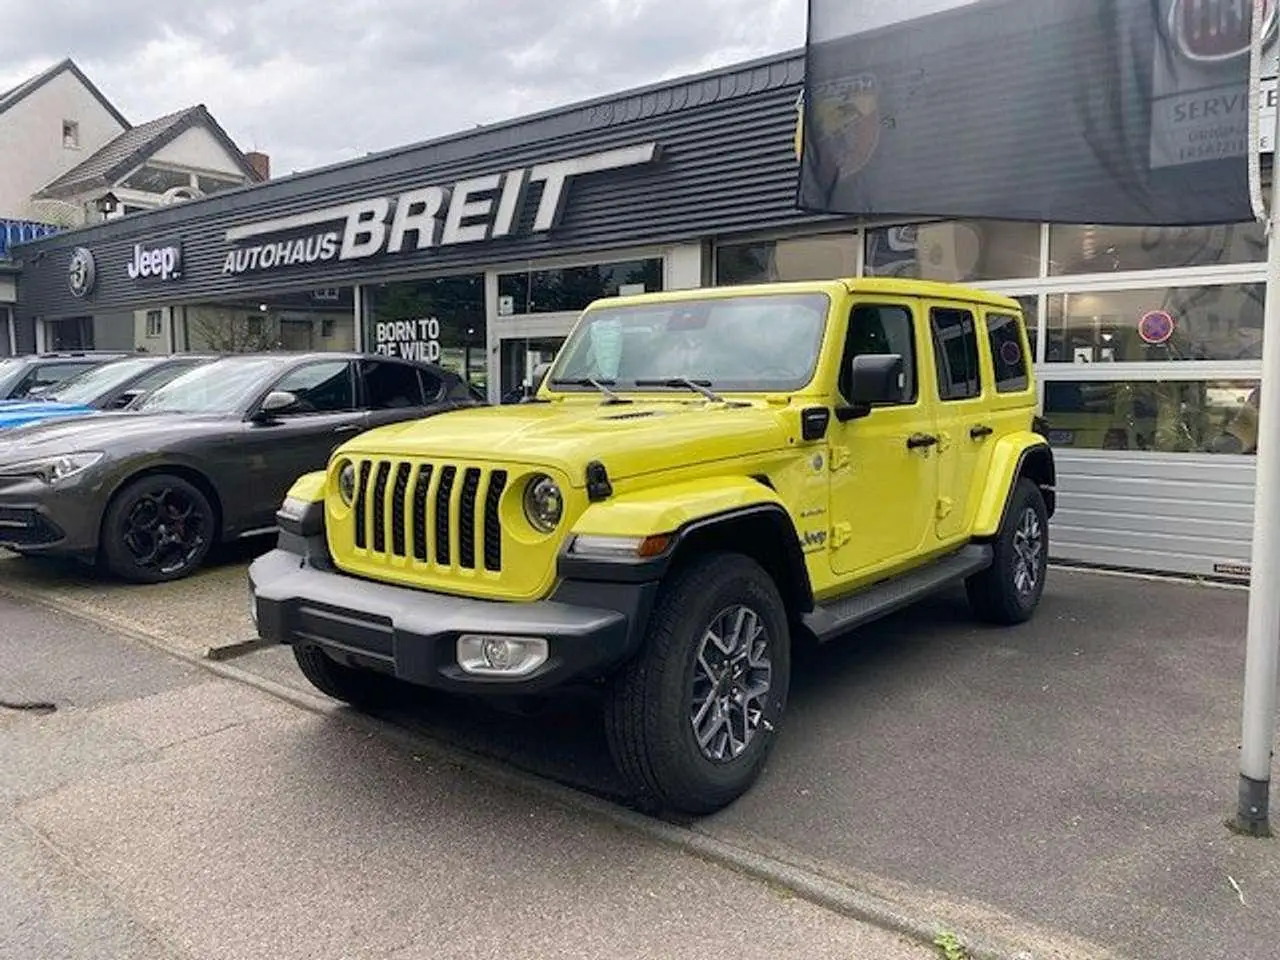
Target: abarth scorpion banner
{"points": [[1075, 111]]}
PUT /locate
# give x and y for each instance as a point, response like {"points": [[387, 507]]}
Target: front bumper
{"points": [[412, 634], [61, 519]]}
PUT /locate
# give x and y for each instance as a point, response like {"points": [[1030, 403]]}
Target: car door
{"points": [[280, 448], [883, 471], [962, 413]]}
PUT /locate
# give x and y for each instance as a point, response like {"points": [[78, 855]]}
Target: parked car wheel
{"points": [[691, 720], [1009, 591], [158, 528]]}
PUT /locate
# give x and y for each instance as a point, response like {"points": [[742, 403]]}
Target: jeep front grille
{"points": [[442, 515]]}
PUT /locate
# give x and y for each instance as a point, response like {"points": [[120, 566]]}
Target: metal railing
{"points": [[14, 232]]}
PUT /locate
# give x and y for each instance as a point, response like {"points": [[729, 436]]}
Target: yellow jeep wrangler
{"points": [[701, 479]]}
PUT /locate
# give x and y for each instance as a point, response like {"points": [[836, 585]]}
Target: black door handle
{"points": [[921, 440], [980, 431]]}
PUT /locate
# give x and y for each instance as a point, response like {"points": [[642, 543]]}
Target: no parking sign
{"points": [[1156, 327]]}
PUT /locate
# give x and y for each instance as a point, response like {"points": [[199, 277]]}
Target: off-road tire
{"points": [[115, 554], [361, 689], [994, 594], [649, 709]]}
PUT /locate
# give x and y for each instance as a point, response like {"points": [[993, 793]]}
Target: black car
{"points": [[206, 458], [30, 375]]}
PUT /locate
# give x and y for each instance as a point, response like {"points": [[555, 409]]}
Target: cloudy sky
{"points": [[318, 81]]}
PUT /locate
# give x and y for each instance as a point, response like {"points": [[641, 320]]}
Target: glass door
{"points": [[520, 356]]}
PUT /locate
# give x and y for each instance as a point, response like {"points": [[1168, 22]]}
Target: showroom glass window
{"points": [[1077, 249], [440, 320], [569, 289], [1159, 324], [955, 251], [1165, 416], [819, 257]]}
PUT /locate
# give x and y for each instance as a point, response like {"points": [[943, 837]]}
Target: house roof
{"points": [[28, 87], [135, 145]]}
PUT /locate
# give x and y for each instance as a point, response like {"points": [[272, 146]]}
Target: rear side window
{"points": [[955, 345], [1008, 359], [390, 385]]}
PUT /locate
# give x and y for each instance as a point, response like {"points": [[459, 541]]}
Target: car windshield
{"points": [[750, 343], [224, 386], [88, 386]]}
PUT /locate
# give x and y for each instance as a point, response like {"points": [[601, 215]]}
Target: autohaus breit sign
{"points": [[466, 211]]}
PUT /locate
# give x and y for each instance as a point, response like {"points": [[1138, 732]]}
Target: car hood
{"points": [[14, 413], [98, 431], [630, 439]]}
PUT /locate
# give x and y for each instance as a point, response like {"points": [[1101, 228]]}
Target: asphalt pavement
{"points": [[1063, 785], [1063, 781], [161, 812]]}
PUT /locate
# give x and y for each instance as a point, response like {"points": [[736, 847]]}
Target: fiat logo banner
{"points": [[1212, 31]]}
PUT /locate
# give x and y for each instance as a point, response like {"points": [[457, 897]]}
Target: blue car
{"points": [[110, 386]]}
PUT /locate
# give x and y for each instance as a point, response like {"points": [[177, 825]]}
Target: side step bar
{"points": [[847, 613]]}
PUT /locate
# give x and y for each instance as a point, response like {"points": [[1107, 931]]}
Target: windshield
{"points": [[224, 386], [92, 383], [746, 344]]}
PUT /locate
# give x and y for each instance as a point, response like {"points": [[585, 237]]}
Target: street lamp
{"points": [[106, 204]]}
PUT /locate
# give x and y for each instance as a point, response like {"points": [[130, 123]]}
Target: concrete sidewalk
{"points": [[163, 813]]}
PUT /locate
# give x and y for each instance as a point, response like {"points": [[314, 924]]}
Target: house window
{"points": [[326, 328], [70, 135], [155, 324], [254, 326]]}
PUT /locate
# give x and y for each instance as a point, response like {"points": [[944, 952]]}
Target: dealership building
{"points": [[479, 249]]}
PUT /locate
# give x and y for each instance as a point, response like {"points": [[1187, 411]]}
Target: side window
{"points": [[323, 387], [955, 346], [1008, 359], [879, 329], [389, 385]]}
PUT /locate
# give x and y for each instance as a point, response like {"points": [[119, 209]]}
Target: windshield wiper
{"points": [[601, 385], [698, 386]]}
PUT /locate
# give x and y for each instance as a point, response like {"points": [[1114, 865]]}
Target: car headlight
{"points": [[543, 503], [347, 482], [52, 469]]}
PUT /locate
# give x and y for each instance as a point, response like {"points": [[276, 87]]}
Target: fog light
{"points": [[496, 656]]}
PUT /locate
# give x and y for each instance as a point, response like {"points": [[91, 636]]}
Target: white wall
{"points": [[8, 291], [31, 150], [199, 149]]}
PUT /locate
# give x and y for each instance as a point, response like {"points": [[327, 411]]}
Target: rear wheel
{"points": [[158, 528], [1009, 591], [692, 719]]}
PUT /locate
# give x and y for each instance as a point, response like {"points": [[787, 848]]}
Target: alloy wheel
{"points": [[732, 677]]}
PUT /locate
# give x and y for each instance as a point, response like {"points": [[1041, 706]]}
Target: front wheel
{"points": [[158, 528], [1009, 591], [691, 720], [361, 689]]}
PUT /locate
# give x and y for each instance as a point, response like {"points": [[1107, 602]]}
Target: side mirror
{"points": [[276, 403], [875, 378], [539, 374]]}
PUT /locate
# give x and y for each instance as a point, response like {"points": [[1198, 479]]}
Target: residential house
{"points": [[69, 158]]}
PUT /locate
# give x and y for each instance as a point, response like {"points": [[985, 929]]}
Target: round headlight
{"points": [[347, 483], [543, 503]]}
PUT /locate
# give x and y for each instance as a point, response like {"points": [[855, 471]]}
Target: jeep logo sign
{"points": [[466, 211], [163, 263]]}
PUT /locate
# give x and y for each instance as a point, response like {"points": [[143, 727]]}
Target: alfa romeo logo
{"points": [[1212, 31], [82, 273]]}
